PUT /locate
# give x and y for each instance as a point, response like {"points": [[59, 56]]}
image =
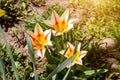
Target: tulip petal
{"points": [[72, 21], [83, 53], [55, 17], [47, 34], [70, 46], [70, 26], [49, 23], [50, 43], [56, 33], [38, 30], [62, 52], [79, 62], [65, 15], [41, 52], [69, 65], [30, 34], [79, 46]]}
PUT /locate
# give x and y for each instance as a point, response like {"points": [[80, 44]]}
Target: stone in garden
{"points": [[107, 44]]}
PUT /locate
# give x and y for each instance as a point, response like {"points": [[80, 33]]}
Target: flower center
{"points": [[77, 57], [39, 42], [69, 53], [60, 26]]}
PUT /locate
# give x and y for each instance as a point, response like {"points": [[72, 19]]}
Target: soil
{"points": [[18, 41]]}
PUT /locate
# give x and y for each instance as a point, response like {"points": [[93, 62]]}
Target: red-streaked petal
{"points": [[83, 53], [65, 15], [54, 17], [47, 34], [38, 30], [30, 34], [70, 46], [55, 33], [79, 62], [41, 52]]}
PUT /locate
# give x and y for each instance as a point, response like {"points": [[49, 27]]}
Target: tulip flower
{"points": [[60, 24], [70, 52], [2, 12], [40, 39]]}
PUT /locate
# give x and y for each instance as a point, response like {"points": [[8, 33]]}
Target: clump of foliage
{"points": [[100, 19], [15, 11], [35, 18], [59, 9], [38, 2], [94, 26]]}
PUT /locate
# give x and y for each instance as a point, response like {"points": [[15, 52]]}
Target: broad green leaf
{"points": [[54, 77], [2, 69], [29, 43], [66, 75], [9, 52], [91, 72], [61, 67]]}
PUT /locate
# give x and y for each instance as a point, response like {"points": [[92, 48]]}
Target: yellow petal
{"points": [[2, 12], [70, 50], [69, 45]]}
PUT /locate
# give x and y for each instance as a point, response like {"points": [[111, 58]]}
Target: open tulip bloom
{"points": [[60, 24], [70, 52], [40, 39]]}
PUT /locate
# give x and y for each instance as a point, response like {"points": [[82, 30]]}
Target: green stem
{"points": [[32, 56], [63, 41], [10, 54], [2, 69], [57, 44]]}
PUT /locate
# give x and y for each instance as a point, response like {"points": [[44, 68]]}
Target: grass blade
{"points": [[54, 77], [9, 52], [61, 67], [29, 43], [2, 69], [65, 77]]}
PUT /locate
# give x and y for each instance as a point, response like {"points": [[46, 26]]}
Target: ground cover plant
{"points": [[77, 42]]}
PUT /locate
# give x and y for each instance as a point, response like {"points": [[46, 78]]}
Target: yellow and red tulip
{"points": [[40, 39], [70, 52], [2, 12], [60, 24]]}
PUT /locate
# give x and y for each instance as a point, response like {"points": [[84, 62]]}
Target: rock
{"points": [[114, 67], [111, 60], [117, 55], [107, 44]]}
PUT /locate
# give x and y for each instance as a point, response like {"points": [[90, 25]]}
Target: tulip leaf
{"points": [[66, 75], [61, 67], [9, 52], [2, 69], [98, 71], [29, 43], [54, 77]]}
